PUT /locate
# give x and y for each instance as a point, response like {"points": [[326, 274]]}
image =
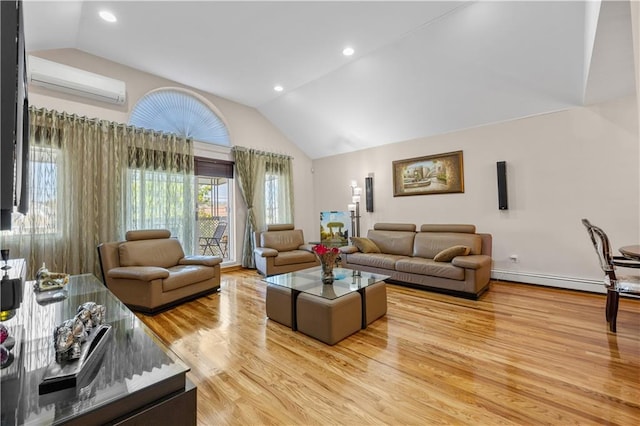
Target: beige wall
{"points": [[247, 127], [561, 167], [635, 26]]}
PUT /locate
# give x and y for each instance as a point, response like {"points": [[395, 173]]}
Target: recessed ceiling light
{"points": [[278, 88], [108, 16], [348, 51]]}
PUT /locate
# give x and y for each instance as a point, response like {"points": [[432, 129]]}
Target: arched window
{"points": [[181, 112], [187, 114]]}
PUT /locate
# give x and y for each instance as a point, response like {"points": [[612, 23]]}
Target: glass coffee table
{"points": [[309, 281]]}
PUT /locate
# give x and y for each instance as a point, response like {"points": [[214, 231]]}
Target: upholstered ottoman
{"points": [[329, 320], [376, 298], [278, 301]]}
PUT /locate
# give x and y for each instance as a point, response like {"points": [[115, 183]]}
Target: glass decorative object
{"points": [[327, 257]]}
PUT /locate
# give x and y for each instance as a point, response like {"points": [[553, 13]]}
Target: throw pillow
{"points": [[365, 245], [448, 254]]}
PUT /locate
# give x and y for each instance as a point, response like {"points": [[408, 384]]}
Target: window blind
{"points": [[213, 168]]}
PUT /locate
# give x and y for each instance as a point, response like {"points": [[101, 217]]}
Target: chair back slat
{"points": [[206, 227], [222, 226], [602, 246], [615, 285]]}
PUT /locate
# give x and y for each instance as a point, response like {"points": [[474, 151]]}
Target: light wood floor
{"points": [[521, 355]]}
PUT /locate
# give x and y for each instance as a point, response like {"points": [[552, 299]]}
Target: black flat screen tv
{"points": [[14, 113]]}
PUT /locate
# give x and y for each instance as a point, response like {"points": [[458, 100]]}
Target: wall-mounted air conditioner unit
{"points": [[75, 81]]}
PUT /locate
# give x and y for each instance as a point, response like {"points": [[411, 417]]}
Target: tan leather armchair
{"points": [[149, 271], [281, 249]]}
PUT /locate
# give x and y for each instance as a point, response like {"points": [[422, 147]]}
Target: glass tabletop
{"points": [[310, 281], [134, 360]]}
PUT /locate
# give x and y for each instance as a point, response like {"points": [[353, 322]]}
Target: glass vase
{"points": [[327, 272]]}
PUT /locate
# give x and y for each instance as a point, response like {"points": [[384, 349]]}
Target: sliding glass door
{"points": [[214, 220]]}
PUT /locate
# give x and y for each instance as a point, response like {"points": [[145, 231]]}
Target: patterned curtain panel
{"points": [[78, 178], [266, 184]]}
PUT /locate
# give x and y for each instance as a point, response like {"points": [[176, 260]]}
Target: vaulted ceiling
{"points": [[420, 68]]}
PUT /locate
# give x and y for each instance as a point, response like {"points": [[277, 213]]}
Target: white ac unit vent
{"points": [[75, 81]]}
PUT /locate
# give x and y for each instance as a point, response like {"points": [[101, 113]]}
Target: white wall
{"points": [[247, 127], [561, 167]]}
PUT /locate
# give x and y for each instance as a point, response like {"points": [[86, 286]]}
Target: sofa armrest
{"points": [[474, 261], [307, 247], [348, 249], [265, 252], [142, 273], [200, 260]]}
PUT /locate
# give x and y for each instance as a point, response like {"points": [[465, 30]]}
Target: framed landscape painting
{"points": [[335, 228], [433, 174]]}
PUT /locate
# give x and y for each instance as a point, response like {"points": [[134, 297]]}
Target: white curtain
{"points": [[160, 185]]}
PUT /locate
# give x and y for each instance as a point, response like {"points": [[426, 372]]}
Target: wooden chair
{"points": [[615, 284]]}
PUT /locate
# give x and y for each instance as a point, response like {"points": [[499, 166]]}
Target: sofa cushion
{"points": [[474, 261], [282, 240], [416, 265], [375, 260], [292, 257], [395, 227], [164, 253], [365, 245], [147, 234], [184, 275], [393, 242], [448, 254], [265, 252], [348, 249], [448, 227], [429, 244], [140, 273], [280, 227], [197, 259]]}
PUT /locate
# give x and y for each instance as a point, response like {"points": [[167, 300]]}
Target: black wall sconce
{"points": [[368, 190]]}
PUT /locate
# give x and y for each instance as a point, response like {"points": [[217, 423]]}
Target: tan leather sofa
{"points": [[408, 256], [281, 249], [149, 271]]}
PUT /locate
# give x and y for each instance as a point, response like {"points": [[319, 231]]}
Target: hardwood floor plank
{"points": [[520, 355]]}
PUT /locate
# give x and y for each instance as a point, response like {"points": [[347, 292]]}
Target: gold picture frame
{"points": [[432, 174]]}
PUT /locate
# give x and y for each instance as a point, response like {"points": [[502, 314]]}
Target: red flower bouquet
{"points": [[327, 257]]}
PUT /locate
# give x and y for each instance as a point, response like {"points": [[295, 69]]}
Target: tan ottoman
{"points": [[329, 320], [376, 297], [278, 301]]}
